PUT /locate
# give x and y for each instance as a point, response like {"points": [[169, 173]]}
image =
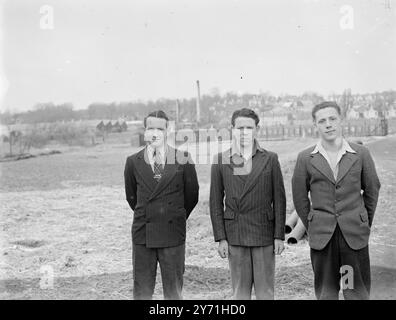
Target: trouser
{"points": [[338, 264], [252, 266], [145, 260]]}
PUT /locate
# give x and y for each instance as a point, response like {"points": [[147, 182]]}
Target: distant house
{"points": [[116, 127], [288, 104], [370, 113], [305, 105], [392, 111], [272, 118], [353, 113], [363, 112], [100, 126], [124, 126], [108, 126]]}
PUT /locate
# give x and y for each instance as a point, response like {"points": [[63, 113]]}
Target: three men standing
{"points": [[335, 193], [162, 189], [248, 209]]}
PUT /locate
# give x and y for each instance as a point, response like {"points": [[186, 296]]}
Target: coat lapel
{"points": [[259, 161], [320, 163], [168, 174], [144, 170], [345, 164]]}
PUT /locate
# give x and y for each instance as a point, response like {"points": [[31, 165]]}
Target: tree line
{"points": [[213, 107]]}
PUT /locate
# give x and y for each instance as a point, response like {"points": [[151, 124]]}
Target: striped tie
{"points": [[158, 168]]}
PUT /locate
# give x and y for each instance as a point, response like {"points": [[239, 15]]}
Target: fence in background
{"points": [[364, 128]]}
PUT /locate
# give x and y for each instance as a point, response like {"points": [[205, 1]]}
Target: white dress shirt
{"points": [[344, 149], [160, 152]]}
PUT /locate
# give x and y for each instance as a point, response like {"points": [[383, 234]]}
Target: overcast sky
{"points": [[128, 50]]}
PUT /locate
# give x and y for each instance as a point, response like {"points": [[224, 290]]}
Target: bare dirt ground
{"points": [[67, 213]]}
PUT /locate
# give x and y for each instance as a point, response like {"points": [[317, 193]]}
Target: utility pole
{"points": [[177, 111], [198, 103]]}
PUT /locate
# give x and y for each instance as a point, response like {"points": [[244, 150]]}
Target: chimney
{"points": [[198, 103]]}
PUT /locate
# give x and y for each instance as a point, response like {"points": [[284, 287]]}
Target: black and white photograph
{"points": [[215, 151]]}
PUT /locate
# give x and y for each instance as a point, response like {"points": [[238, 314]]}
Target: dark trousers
{"points": [[145, 261], [252, 266], [338, 263]]}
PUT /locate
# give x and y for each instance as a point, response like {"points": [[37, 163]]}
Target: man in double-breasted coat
{"points": [[162, 189]]}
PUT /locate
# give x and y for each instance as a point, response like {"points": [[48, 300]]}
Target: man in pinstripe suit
{"points": [[248, 209], [162, 189]]}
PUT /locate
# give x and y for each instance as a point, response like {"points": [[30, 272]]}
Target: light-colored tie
{"points": [[158, 168]]}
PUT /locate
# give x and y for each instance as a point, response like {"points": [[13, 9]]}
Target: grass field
{"points": [[67, 213]]}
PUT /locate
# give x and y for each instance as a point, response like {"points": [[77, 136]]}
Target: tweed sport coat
{"points": [[160, 208], [350, 200], [251, 213]]}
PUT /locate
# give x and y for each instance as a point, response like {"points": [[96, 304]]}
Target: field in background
{"points": [[67, 212]]}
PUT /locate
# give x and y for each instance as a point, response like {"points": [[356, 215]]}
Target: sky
{"points": [[84, 51]]}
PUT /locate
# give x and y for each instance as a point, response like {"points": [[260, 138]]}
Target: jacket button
{"points": [[337, 186], [170, 221], [337, 215]]}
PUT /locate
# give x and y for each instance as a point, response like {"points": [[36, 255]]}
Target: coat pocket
{"points": [[229, 215], [364, 216]]}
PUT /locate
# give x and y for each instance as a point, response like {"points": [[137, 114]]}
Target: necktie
{"points": [[158, 169]]}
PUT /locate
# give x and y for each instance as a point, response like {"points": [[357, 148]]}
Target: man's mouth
{"points": [[330, 132]]}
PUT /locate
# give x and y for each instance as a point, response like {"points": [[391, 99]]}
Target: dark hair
{"points": [[325, 104], [156, 114], [245, 112]]}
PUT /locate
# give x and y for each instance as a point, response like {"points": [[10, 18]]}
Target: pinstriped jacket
{"points": [[160, 208], [251, 211]]}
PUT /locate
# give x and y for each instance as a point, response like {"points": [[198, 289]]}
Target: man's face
{"points": [[155, 132], [245, 131], [328, 123]]}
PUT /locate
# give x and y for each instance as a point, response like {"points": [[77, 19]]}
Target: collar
{"points": [[235, 151], [344, 148], [161, 150]]}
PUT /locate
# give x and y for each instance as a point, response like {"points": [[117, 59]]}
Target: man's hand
{"points": [[278, 246], [223, 248]]}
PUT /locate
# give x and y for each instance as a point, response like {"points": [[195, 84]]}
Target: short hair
{"points": [[156, 114], [245, 112], [325, 104]]}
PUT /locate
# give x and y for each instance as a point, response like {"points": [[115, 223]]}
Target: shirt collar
{"points": [[344, 148], [161, 150], [235, 151]]}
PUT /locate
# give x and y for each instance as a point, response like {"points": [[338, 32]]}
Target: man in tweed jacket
{"points": [[248, 209], [335, 192], [162, 189]]}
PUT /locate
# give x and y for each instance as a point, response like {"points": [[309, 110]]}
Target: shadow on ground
{"points": [[199, 283]]}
